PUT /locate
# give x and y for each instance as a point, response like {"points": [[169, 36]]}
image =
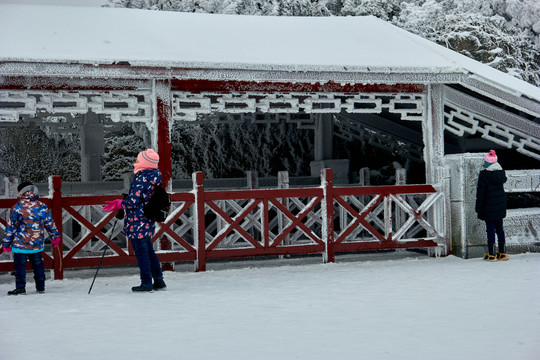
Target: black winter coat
{"points": [[490, 195]]}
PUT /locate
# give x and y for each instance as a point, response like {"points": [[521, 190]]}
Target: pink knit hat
{"points": [[147, 159], [491, 157]]}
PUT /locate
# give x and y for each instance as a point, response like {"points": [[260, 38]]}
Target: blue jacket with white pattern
{"points": [[28, 220], [136, 224]]}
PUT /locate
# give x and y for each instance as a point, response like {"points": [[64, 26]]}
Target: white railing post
{"points": [[283, 183], [328, 215], [199, 230], [10, 186]]}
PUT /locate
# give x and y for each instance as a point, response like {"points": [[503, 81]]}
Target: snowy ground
{"points": [[399, 305]]}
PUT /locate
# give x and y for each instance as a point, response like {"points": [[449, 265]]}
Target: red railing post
{"points": [[58, 253], [328, 214], [199, 223]]}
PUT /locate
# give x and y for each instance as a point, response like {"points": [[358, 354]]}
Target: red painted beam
{"points": [[6, 266], [214, 195], [284, 250], [196, 86], [384, 190], [8, 203], [117, 260], [378, 245], [65, 84]]}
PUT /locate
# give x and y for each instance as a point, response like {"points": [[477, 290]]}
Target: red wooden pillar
{"points": [[58, 252], [199, 228], [164, 115], [164, 118], [327, 184]]}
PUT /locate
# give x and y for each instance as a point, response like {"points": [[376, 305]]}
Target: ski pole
{"points": [[103, 255]]}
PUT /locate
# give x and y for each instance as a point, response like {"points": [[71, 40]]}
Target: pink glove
{"points": [[6, 249], [112, 205], [55, 242]]}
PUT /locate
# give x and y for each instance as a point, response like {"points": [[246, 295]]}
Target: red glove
{"points": [[6, 249], [112, 205], [55, 242]]}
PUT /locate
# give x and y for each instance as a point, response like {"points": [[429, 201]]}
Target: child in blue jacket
{"points": [[25, 236]]}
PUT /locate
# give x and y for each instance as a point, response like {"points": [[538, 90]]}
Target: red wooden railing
{"points": [[243, 223]]}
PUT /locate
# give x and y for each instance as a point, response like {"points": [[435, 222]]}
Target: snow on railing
{"points": [[216, 224]]}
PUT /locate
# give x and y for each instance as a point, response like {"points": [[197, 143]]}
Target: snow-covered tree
{"points": [[383, 9], [244, 7], [28, 154], [228, 150], [525, 14], [474, 28], [121, 149]]}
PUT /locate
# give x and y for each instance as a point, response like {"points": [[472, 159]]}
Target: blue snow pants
{"points": [[147, 260], [492, 227], [19, 263]]}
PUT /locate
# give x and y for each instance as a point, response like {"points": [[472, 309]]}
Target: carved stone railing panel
{"points": [[522, 181], [188, 106], [135, 106], [460, 121]]}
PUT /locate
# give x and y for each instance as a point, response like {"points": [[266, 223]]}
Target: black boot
{"points": [[142, 288], [40, 287], [159, 285], [17, 291]]}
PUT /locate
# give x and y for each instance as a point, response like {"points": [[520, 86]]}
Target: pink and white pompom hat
{"points": [[490, 158], [148, 159]]}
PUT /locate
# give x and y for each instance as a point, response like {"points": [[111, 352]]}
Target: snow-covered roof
{"points": [[58, 34]]}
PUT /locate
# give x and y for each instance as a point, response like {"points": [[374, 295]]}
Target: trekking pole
{"points": [[103, 255]]}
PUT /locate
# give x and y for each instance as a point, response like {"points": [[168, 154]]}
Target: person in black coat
{"points": [[491, 205]]}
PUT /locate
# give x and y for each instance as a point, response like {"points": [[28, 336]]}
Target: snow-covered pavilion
{"points": [[347, 76]]}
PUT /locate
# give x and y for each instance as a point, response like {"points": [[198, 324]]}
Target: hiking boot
{"points": [[502, 257], [489, 257], [159, 285], [18, 291], [142, 288], [40, 291]]}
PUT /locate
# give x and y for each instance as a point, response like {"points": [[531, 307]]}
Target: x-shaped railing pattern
{"points": [[237, 221], [178, 214], [384, 222], [232, 223], [417, 216]]}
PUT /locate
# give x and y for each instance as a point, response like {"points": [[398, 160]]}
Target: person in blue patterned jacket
{"points": [[137, 227], [24, 235]]}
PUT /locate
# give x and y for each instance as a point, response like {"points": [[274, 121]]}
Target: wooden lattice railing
{"points": [[243, 223]]}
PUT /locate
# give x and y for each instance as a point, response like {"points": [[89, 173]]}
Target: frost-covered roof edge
{"points": [[59, 71]]}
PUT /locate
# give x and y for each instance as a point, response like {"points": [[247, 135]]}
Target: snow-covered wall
{"points": [[522, 226]]}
